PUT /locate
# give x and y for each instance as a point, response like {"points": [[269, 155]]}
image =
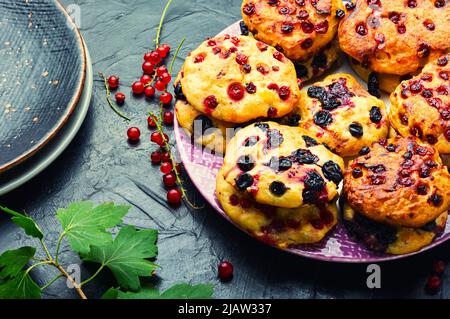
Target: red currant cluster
{"points": [[156, 77]]}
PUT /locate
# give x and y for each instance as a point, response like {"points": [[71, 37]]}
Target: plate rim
{"points": [[72, 104], [178, 130], [60, 142]]}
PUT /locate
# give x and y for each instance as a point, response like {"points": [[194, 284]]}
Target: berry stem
{"points": [[176, 55], [108, 98], [161, 22], [160, 130]]}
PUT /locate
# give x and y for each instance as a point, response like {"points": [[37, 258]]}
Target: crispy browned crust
{"points": [[425, 113], [386, 50], [267, 21], [390, 188]]}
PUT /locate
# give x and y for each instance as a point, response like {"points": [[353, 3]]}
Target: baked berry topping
{"points": [[251, 88], [332, 172], [364, 151], [447, 134], [262, 126], [273, 3], [241, 59], [301, 3], [375, 114], [442, 61], [278, 56], [284, 92], [309, 141], [427, 93], [424, 50], [350, 6], [406, 181], [262, 69], [401, 29], [439, 3], [323, 118], [303, 14], [179, 92], [377, 179], [234, 200], [307, 43], [394, 17], [247, 68], [361, 28], [357, 173], [445, 114], [262, 46], [244, 181], [249, 9], [415, 87], [431, 139], [442, 90], [373, 85], [390, 148], [200, 58], [316, 92], [274, 138], [272, 112], [284, 11], [301, 70], [321, 27], [314, 181], [444, 75], [287, 28], [429, 25], [412, 4], [424, 171], [210, 102], [302, 156], [436, 199], [380, 168], [404, 119], [273, 87], [278, 188], [435, 102], [356, 129], [236, 91], [205, 122], [422, 189], [284, 164], [245, 163], [244, 28], [250, 141], [340, 14], [307, 27]]}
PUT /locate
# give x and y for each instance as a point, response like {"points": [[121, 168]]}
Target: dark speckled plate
{"points": [[42, 71]]}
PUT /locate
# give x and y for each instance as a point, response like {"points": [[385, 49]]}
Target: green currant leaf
{"points": [[20, 287], [13, 261], [27, 223], [126, 256], [180, 291], [85, 225]]}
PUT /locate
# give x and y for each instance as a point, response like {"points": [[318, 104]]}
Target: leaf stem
{"points": [[93, 276], [51, 282], [58, 246], [108, 98], [161, 22], [45, 262], [44, 246]]}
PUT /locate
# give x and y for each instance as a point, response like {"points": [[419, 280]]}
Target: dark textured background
{"points": [[101, 166]]}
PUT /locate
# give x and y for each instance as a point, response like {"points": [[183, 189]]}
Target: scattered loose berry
{"points": [[166, 98], [433, 283], [169, 180], [120, 98], [113, 82], [134, 134], [137, 87], [174, 196], [168, 118], [225, 271], [439, 266]]}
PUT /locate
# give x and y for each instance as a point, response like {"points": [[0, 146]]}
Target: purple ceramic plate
{"points": [[337, 246]]}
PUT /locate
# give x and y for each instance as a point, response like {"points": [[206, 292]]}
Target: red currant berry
{"points": [[225, 271], [162, 52], [439, 266], [168, 118], [166, 167], [170, 180], [165, 157], [174, 196], [151, 122], [166, 98], [146, 79], [166, 47], [165, 78], [137, 87], [147, 57], [120, 98], [160, 86], [433, 283], [148, 68], [134, 134], [113, 82], [161, 70], [156, 157], [156, 138], [149, 91], [154, 58]]}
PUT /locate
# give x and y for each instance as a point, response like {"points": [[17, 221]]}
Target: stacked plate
{"points": [[45, 87]]}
